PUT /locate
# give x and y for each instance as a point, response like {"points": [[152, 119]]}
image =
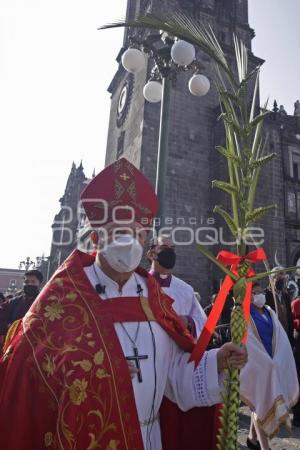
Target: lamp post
{"points": [[39, 261], [27, 264], [170, 57], [162, 153]]}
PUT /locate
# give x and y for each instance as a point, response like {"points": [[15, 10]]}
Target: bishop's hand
{"points": [[231, 356], [132, 369]]}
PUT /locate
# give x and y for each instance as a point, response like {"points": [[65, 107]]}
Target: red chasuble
{"points": [[65, 383]]}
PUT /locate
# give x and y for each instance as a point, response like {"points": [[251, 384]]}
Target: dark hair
{"points": [[35, 273], [2, 297], [153, 242]]}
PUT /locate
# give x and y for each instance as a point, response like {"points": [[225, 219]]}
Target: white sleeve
{"points": [[190, 387], [198, 315]]}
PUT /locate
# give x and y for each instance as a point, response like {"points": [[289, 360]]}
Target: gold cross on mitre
{"points": [[124, 176]]}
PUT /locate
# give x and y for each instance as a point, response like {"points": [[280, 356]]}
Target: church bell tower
{"points": [[193, 129]]}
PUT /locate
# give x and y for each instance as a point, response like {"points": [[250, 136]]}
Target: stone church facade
{"points": [[194, 132], [68, 221]]}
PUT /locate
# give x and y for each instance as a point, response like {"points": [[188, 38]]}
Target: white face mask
{"points": [[124, 254], [259, 300]]}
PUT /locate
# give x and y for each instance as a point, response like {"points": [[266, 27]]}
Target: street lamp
{"points": [[170, 56], [39, 261], [27, 264]]}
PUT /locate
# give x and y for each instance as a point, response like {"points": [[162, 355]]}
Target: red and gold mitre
{"points": [[120, 193]]}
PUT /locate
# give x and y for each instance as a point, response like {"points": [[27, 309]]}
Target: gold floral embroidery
{"points": [[80, 388], [85, 364], [71, 296], [54, 311], [48, 439], [77, 391], [68, 435], [49, 365], [102, 374], [99, 357], [58, 281], [94, 443], [70, 348], [7, 353], [113, 445]]}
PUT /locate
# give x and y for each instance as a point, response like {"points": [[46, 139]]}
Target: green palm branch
{"points": [[183, 27], [244, 152]]}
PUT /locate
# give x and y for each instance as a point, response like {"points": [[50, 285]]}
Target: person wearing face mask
{"points": [[16, 308], [162, 256], [102, 346], [283, 301], [269, 384]]}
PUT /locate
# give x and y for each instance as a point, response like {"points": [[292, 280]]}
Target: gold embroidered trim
{"points": [[10, 334], [72, 280], [271, 414], [45, 381], [146, 308]]}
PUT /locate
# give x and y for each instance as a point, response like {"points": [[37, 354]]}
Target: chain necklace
{"points": [[136, 357], [133, 341]]}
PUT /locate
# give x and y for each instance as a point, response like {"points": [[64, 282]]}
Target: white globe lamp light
{"points": [[183, 53], [199, 85], [153, 91], [133, 60]]}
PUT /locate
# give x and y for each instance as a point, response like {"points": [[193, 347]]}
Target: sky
{"points": [[55, 68]]}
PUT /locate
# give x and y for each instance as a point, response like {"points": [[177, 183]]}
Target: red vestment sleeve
{"points": [[28, 412]]}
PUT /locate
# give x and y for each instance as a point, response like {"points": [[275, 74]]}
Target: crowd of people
{"points": [[105, 347], [14, 308]]}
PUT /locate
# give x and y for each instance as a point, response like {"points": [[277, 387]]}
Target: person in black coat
{"points": [[16, 308]]}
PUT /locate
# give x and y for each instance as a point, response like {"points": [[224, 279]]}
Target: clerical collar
{"points": [[164, 280], [105, 280]]}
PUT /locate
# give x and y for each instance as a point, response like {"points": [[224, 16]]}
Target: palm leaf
{"points": [[258, 213], [259, 118], [256, 141], [228, 219], [244, 151], [183, 27], [255, 95], [212, 258], [241, 53], [226, 187], [260, 162], [260, 276], [223, 151]]}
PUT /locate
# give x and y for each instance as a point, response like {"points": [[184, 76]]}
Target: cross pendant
{"points": [[136, 358]]}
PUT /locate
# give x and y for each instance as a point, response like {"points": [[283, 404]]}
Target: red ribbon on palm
{"points": [[234, 261]]}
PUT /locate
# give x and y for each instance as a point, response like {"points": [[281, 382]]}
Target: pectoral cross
{"points": [[136, 358]]}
